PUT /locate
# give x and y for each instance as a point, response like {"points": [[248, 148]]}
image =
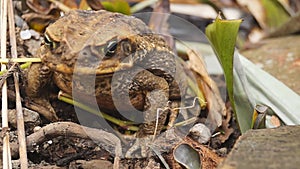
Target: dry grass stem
{"points": [[20, 118], [19, 60], [5, 129]]}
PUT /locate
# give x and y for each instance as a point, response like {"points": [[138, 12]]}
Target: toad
{"points": [[113, 58]]}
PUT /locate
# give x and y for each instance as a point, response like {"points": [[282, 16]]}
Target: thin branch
{"points": [[20, 118], [101, 137], [5, 129], [70, 129]]}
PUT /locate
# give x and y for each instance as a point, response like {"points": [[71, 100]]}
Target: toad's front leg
{"points": [[156, 90], [37, 90]]}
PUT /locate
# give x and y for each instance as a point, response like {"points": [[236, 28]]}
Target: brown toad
{"points": [[113, 58]]}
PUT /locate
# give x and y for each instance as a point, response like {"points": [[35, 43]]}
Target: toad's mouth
{"points": [[101, 70]]}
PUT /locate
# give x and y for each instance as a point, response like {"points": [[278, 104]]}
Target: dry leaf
{"points": [[40, 6], [37, 21], [95, 4], [256, 9], [215, 104], [226, 128]]}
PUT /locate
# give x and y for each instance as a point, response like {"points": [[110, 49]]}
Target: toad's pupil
{"points": [[111, 48]]}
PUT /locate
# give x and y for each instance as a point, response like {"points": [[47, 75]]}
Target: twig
{"points": [[69, 129], [5, 129], [156, 151], [7, 60], [20, 119]]}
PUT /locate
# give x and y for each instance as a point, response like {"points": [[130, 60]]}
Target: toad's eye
{"points": [[111, 48], [48, 42]]}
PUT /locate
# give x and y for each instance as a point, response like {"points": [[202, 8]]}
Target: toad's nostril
{"points": [[45, 70]]}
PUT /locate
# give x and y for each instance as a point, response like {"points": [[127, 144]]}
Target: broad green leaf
{"points": [[120, 6], [222, 35], [249, 86], [269, 91]]}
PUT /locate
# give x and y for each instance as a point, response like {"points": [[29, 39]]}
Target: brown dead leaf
{"points": [[256, 9], [215, 104], [95, 4], [40, 6], [71, 4], [226, 128], [269, 14], [209, 159], [288, 6], [37, 21], [46, 7]]}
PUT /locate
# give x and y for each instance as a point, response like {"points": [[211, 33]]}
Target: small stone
{"points": [[20, 22], [25, 34], [34, 34], [49, 141], [200, 133], [29, 116]]}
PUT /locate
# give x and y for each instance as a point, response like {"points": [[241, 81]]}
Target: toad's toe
{"points": [[142, 144]]}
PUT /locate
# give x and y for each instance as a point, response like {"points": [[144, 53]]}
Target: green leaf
{"points": [[269, 91], [288, 27], [120, 6], [222, 35], [276, 15], [249, 86]]}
